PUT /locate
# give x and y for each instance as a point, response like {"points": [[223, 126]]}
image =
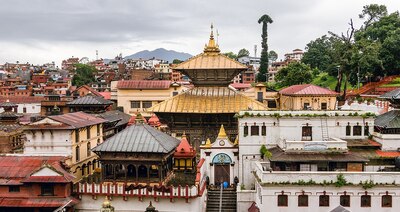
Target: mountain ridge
{"points": [[160, 53]]}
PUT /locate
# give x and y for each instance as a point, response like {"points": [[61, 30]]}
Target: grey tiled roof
{"points": [[390, 119], [395, 94], [90, 100], [139, 138], [115, 115]]}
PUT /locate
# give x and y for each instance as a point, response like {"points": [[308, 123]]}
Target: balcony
{"points": [[265, 176]]}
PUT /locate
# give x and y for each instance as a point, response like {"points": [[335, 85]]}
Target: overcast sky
{"points": [[40, 31]]}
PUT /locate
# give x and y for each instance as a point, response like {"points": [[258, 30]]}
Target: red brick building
{"points": [[35, 184]]}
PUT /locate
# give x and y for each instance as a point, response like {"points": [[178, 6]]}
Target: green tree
{"points": [[272, 56], [293, 74], [230, 55], [372, 13], [84, 75], [176, 61], [243, 52], [320, 55], [263, 70]]}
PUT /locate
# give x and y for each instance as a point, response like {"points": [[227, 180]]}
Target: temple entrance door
{"points": [[221, 173]]}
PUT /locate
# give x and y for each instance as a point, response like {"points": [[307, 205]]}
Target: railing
{"points": [[332, 143], [126, 190], [141, 191], [324, 176]]}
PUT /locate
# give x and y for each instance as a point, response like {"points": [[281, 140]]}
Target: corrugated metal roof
{"points": [[115, 115], [208, 100], [210, 61], [21, 167], [395, 94], [389, 119], [139, 138], [144, 84], [38, 202], [22, 99], [307, 89], [90, 100], [78, 119]]}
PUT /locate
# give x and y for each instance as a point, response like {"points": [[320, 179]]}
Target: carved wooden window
{"points": [[387, 201], [246, 130], [282, 200], [255, 130], [324, 201], [345, 200], [263, 130], [356, 130], [303, 200], [348, 130], [366, 200], [306, 133]]}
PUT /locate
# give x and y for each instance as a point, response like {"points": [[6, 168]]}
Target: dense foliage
{"points": [[369, 52], [84, 75], [293, 74], [263, 70]]}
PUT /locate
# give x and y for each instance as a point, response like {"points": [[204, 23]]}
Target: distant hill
{"points": [[168, 55]]}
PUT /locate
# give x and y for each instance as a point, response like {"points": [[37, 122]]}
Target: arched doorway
{"points": [[131, 171], [89, 165], [142, 171], [222, 163], [83, 169]]}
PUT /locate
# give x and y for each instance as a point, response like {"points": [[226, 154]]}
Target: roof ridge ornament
{"points": [[212, 48], [222, 133]]}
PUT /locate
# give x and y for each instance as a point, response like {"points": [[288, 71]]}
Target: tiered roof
{"points": [[184, 150], [139, 138], [208, 100]]}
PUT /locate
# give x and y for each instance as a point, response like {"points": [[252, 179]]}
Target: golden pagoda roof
{"points": [[208, 100], [211, 58], [222, 133]]}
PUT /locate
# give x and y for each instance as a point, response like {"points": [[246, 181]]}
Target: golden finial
{"points": [[211, 48], [208, 143], [222, 133], [236, 141]]}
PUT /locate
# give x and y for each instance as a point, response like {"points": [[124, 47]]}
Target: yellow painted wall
{"points": [[297, 102], [82, 143], [125, 96]]}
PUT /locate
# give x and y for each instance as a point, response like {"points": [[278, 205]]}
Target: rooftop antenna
{"points": [[97, 54], [255, 50]]}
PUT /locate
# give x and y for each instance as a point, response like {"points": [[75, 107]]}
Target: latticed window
{"points": [[345, 200], [77, 153], [303, 200], [348, 130], [366, 200], [88, 149], [264, 130], [387, 201], [356, 130], [135, 104], [147, 104], [246, 130], [282, 200], [255, 130], [324, 200]]}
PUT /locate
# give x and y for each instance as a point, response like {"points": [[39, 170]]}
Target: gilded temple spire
{"points": [[212, 47]]}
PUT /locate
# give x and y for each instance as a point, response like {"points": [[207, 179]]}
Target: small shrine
{"points": [[135, 117], [139, 153], [154, 121], [184, 156], [221, 158]]}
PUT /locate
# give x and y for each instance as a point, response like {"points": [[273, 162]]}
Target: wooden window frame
{"points": [[282, 200], [302, 200], [342, 200], [324, 202]]}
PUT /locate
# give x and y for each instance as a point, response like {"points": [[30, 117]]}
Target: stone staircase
{"points": [[228, 200]]}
